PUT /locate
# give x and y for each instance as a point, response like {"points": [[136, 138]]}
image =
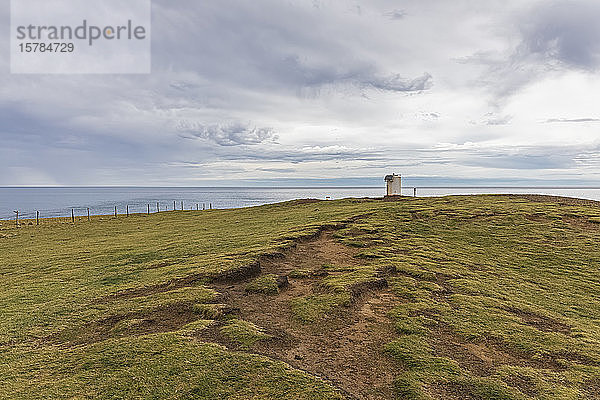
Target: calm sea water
{"points": [[58, 202]]}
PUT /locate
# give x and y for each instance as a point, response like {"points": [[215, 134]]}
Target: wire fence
{"points": [[77, 213]]}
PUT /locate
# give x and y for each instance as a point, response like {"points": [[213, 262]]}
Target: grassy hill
{"points": [[465, 297]]}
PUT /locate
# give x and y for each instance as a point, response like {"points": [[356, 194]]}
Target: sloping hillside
{"points": [[466, 297]]}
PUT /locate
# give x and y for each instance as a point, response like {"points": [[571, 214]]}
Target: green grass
{"points": [[311, 308], [299, 273], [243, 332], [153, 367], [502, 275], [266, 284]]}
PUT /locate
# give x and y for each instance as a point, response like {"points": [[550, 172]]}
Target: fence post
{"points": [[127, 207], [182, 206], [37, 217], [157, 207], [115, 211], [197, 207], [211, 206], [17, 218], [174, 205], [88, 211], [72, 215], [414, 192], [148, 209]]}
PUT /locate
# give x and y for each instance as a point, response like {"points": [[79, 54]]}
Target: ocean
{"points": [[59, 201]]}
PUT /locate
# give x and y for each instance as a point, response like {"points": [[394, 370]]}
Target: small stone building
{"points": [[394, 185]]}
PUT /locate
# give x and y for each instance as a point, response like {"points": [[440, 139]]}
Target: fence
{"points": [[115, 214]]}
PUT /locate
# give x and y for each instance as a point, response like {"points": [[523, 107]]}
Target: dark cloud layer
{"points": [[563, 31], [235, 134]]}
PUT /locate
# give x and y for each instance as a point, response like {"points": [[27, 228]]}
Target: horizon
{"points": [[65, 202], [294, 187]]}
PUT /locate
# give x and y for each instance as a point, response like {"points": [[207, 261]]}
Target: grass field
{"points": [[464, 297]]}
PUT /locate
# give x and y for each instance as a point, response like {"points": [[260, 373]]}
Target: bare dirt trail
{"points": [[345, 348]]}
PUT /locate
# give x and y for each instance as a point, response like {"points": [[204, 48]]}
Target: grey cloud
{"points": [[468, 155], [396, 83], [495, 120], [396, 14], [588, 158], [519, 157], [278, 170], [307, 154], [234, 134], [551, 36], [300, 73], [205, 169], [492, 119], [184, 86], [573, 120], [521, 161], [426, 116], [295, 50], [564, 31], [362, 75], [498, 121]]}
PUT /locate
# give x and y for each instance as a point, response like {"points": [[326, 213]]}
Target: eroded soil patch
{"points": [[483, 356], [452, 391], [231, 275], [162, 319], [581, 222], [592, 388], [540, 322], [344, 347]]}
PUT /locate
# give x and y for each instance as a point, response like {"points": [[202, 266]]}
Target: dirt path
{"points": [[345, 348]]}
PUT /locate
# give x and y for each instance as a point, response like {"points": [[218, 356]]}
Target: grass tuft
{"points": [[266, 284], [243, 332]]}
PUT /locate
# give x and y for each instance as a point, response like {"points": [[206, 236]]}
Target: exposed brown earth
{"points": [[163, 319], [451, 391], [238, 274], [523, 383], [540, 322], [581, 223], [592, 388], [346, 347]]}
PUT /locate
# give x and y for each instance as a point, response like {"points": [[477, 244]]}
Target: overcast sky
{"points": [[283, 92]]}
